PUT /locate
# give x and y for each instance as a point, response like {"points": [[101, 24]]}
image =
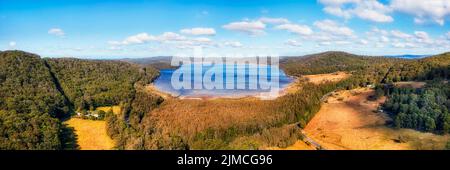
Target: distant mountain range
{"points": [[167, 59], [408, 56]]}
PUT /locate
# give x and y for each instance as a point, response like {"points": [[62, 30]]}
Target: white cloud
{"points": [[379, 31], [294, 28], [325, 43], [337, 2], [384, 39], [235, 44], [191, 43], [199, 31], [294, 43], [115, 48], [170, 36], [275, 21], [399, 34], [331, 32], [142, 38], [399, 39], [134, 39], [371, 10], [342, 42], [424, 10], [363, 42], [12, 44], [333, 28], [380, 37], [138, 39], [375, 16], [423, 37], [321, 36], [56, 31], [168, 39], [447, 35], [202, 39], [248, 27], [403, 45], [337, 11], [379, 45]]}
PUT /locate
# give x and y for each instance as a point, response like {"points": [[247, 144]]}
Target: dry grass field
{"points": [[316, 79], [323, 78], [410, 84], [189, 116], [91, 134], [349, 121]]}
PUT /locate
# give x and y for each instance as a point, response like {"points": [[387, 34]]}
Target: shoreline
{"points": [[289, 88]]}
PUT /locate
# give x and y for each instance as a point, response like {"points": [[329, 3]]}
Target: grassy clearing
{"points": [[349, 121], [410, 84], [91, 134], [324, 78], [180, 115]]}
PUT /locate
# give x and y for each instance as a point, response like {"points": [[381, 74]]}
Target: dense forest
{"points": [[36, 94], [425, 109], [90, 84], [27, 85], [29, 103]]}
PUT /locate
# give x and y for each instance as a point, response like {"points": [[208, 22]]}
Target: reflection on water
{"points": [[163, 82]]}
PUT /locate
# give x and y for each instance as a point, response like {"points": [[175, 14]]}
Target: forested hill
{"points": [[35, 94], [437, 66], [29, 103], [159, 62], [93, 83], [332, 61], [329, 62], [27, 85], [425, 109]]}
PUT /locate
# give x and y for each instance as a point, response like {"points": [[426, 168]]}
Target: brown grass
{"points": [[91, 134], [292, 87], [188, 116], [353, 123], [324, 78], [410, 84]]}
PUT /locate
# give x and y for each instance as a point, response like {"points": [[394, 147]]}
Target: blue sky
{"points": [[115, 29]]}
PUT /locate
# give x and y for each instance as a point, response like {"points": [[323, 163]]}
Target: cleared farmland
{"points": [[348, 120], [91, 134]]}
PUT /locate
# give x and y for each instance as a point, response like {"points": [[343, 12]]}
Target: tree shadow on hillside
{"points": [[69, 138], [442, 72]]}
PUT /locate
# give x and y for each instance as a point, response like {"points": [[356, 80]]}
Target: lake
{"points": [[164, 82]]}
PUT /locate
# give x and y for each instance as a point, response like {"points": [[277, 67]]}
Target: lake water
{"points": [[163, 82]]}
